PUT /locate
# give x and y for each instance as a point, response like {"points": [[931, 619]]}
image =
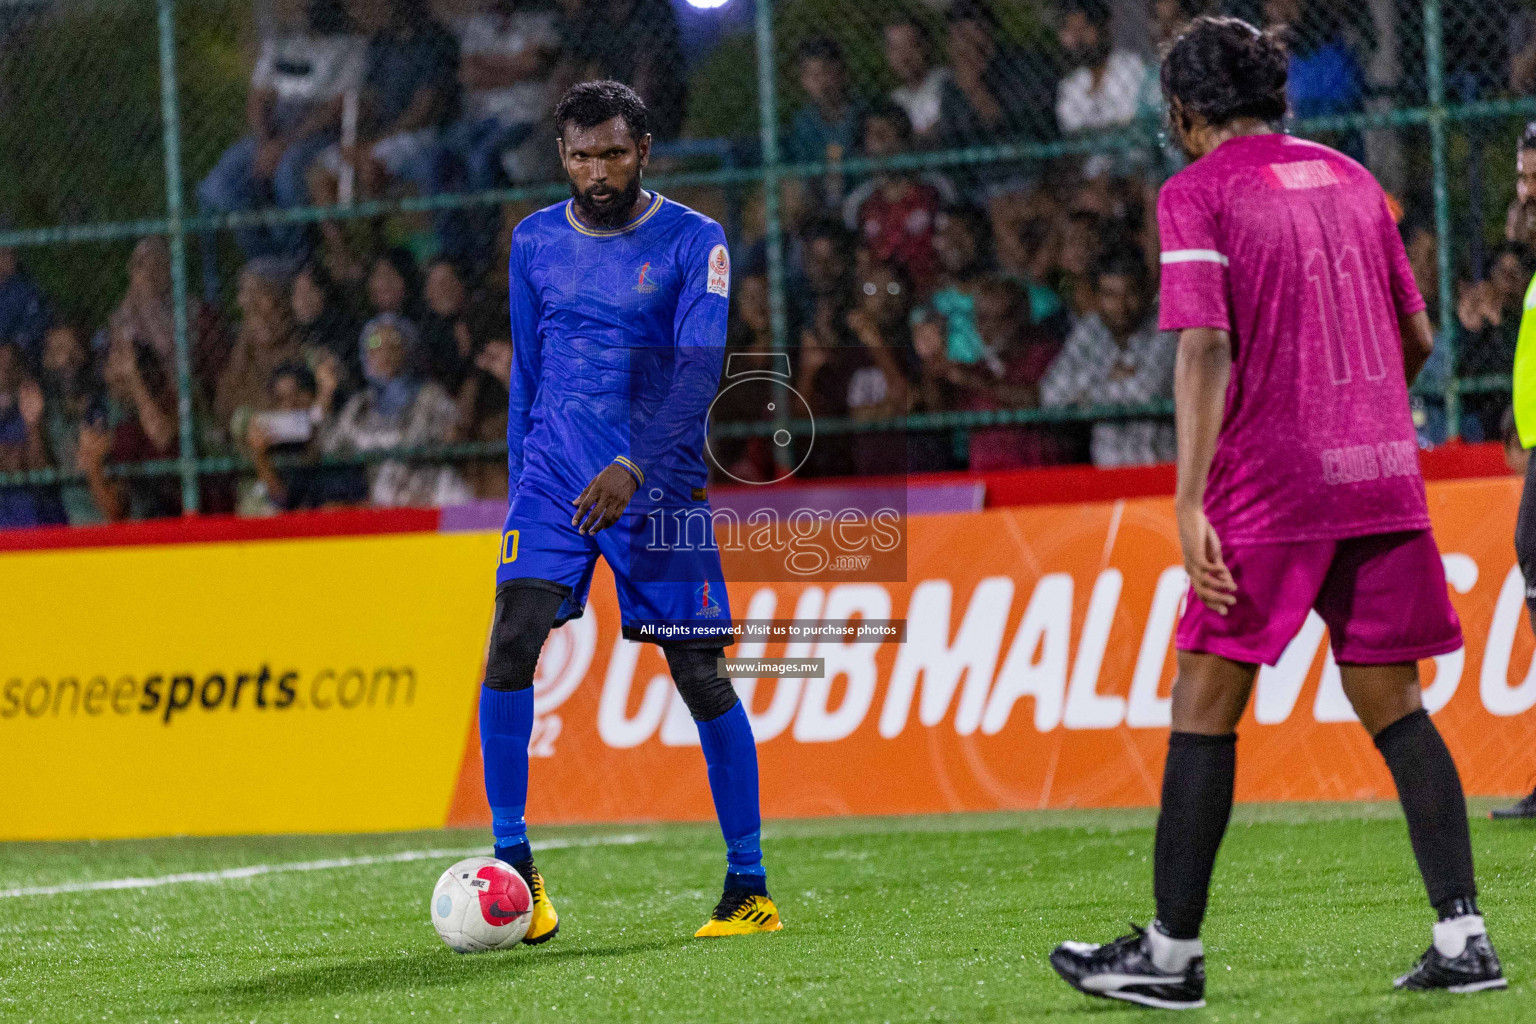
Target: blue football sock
{"points": [[506, 722], [731, 755]]}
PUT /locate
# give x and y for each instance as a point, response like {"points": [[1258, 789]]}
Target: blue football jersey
{"points": [[618, 342]]}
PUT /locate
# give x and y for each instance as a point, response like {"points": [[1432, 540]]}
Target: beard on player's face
{"points": [[605, 206]]}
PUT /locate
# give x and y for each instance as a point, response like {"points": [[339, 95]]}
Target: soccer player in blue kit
{"points": [[618, 304]]}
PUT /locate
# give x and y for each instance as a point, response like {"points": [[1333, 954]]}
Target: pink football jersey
{"points": [[1290, 247]]}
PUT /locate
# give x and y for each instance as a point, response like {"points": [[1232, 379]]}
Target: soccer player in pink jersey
{"points": [[1300, 327]]}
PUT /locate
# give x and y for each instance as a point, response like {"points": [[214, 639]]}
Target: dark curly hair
{"points": [[1223, 69], [1097, 12], [589, 104], [1121, 261], [820, 48], [1528, 137]]}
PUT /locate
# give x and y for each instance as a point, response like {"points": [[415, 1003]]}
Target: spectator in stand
{"points": [[482, 397], [751, 325], [345, 248], [1015, 356], [861, 368], [394, 283], [399, 408], [880, 369], [24, 445], [631, 41], [299, 405], [1104, 86], [910, 53], [1487, 308], [893, 212], [1169, 18], [1427, 397], [447, 342], [1490, 313], [145, 316], [993, 91], [1423, 247], [493, 282], [829, 125], [1520, 217], [142, 428], [1325, 74], [818, 297], [25, 312], [264, 342], [1083, 233], [1479, 40], [1117, 356], [508, 52], [324, 326], [750, 336], [963, 242], [410, 92], [292, 113], [73, 400], [1025, 238], [835, 344], [1522, 60]]}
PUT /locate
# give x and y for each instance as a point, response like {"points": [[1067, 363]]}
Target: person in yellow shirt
{"points": [[1525, 420]]}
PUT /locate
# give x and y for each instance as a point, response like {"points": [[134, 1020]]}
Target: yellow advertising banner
{"points": [[274, 686]]}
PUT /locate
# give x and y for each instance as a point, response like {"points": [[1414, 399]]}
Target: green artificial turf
{"points": [[1315, 909]]}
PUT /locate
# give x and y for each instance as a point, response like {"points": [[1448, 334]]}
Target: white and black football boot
{"points": [[1123, 969], [1474, 967]]}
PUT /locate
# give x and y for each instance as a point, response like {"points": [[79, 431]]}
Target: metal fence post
{"points": [[1434, 63], [768, 136], [170, 118]]}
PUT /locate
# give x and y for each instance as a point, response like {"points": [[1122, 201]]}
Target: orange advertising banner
{"points": [[1035, 673]]}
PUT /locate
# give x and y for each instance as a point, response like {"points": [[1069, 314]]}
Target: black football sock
{"points": [[1197, 803], [1430, 791]]}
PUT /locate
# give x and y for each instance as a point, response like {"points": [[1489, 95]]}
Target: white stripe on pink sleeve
{"points": [[1193, 256]]}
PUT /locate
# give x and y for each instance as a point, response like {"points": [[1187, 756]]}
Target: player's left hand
{"points": [[600, 505], [1208, 573]]}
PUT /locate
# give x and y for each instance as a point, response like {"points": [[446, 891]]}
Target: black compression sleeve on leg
{"points": [[1525, 536], [707, 694], [1197, 804], [525, 613], [1433, 802]]}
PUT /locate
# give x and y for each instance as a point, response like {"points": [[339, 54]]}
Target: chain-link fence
{"points": [[940, 210]]}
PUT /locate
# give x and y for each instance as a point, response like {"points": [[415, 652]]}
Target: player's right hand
{"points": [[1208, 573]]}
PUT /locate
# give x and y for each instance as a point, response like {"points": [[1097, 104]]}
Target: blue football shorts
{"points": [[671, 594]]}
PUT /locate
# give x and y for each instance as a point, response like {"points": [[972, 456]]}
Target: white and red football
{"points": [[481, 904]]}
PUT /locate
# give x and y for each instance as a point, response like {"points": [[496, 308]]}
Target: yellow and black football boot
{"points": [[741, 912], [545, 923]]}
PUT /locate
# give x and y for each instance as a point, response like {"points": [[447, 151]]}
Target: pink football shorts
{"points": [[1384, 598]]}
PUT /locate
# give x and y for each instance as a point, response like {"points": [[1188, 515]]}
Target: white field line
{"points": [[255, 870]]}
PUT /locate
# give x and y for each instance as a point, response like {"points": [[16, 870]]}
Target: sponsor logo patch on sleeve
{"points": [[719, 271]]}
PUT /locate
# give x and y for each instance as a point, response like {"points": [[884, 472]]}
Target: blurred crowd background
{"points": [[967, 221]]}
